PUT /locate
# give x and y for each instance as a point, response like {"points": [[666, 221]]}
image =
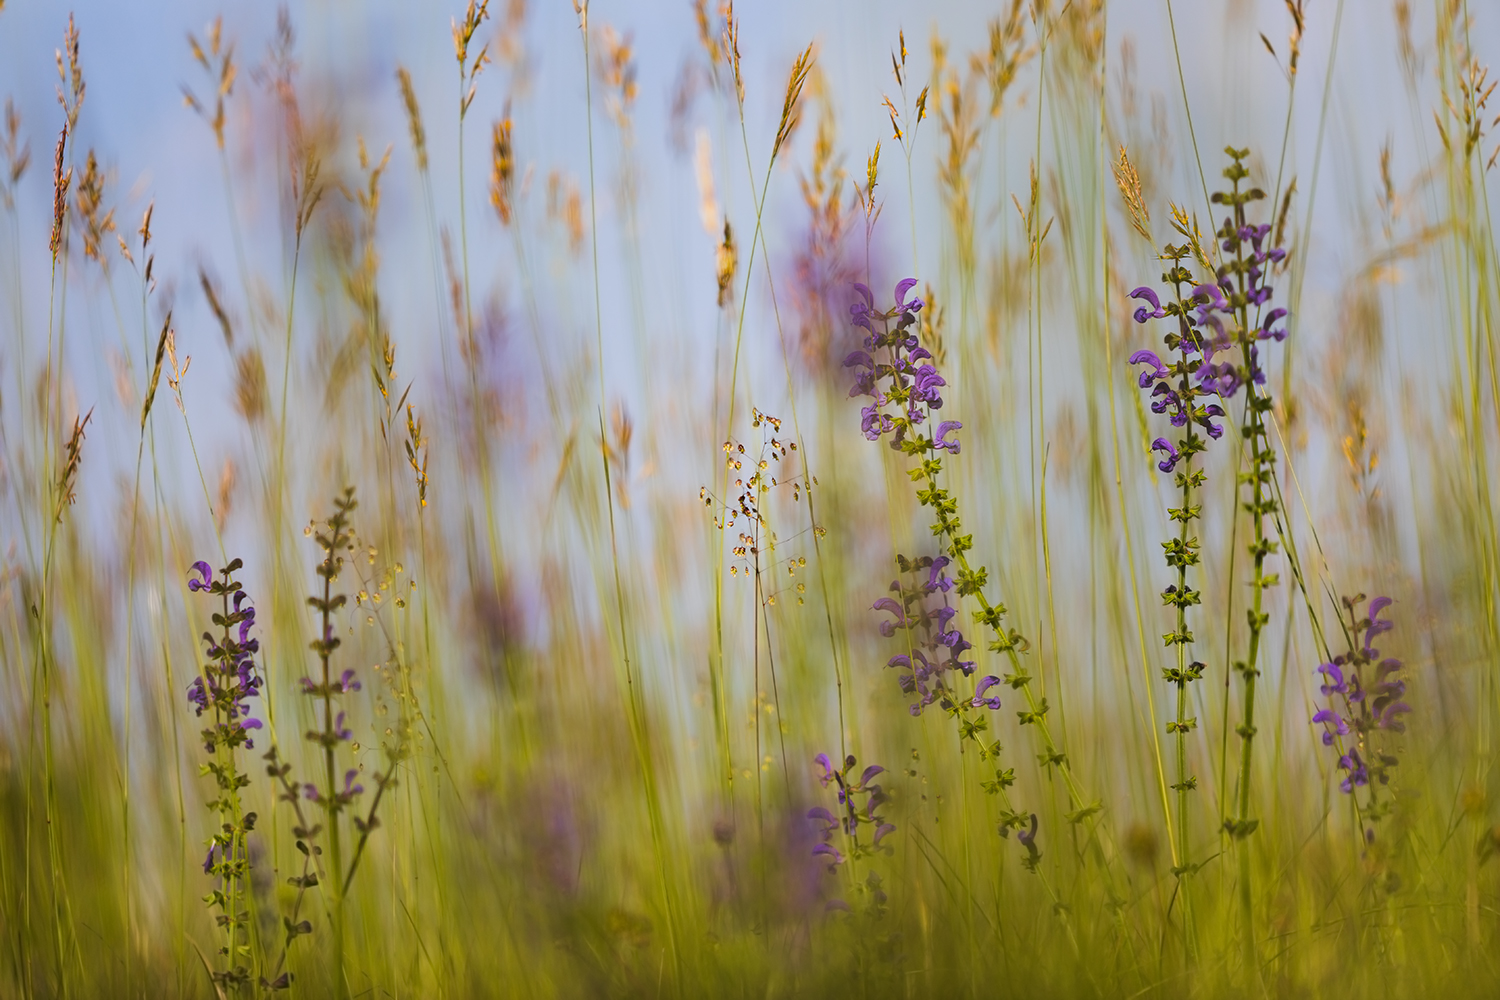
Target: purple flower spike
{"points": [[1142, 314], [1172, 456], [208, 576]]}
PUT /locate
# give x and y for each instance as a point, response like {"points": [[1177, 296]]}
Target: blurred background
{"points": [[582, 270]]}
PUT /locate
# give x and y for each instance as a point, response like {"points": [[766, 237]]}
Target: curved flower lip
{"points": [[1147, 294], [1149, 358], [888, 629], [1377, 624], [820, 812], [1170, 462], [865, 293], [830, 851], [902, 287], [985, 683], [1389, 720], [939, 439], [869, 773], [1211, 294], [860, 358], [881, 832], [208, 576], [1334, 678], [1331, 718]]}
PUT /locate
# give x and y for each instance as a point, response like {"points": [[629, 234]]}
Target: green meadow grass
{"points": [[608, 534]]}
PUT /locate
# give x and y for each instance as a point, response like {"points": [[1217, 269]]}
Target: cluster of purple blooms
{"points": [[896, 371], [230, 679], [850, 815], [1202, 333], [934, 642], [1363, 702]]}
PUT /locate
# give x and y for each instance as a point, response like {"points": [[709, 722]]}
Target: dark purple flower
{"points": [[875, 423], [902, 287], [198, 696], [925, 385], [1172, 456], [939, 440], [984, 685], [1149, 358], [350, 788], [1377, 624], [1358, 774], [208, 576], [1334, 723], [1142, 314], [827, 765], [1333, 680], [347, 682], [888, 629], [937, 580], [1265, 332]]}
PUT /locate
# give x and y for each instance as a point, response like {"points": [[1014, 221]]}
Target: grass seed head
{"points": [[413, 117], [60, 182], [1129, 183], [502, 171]]}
